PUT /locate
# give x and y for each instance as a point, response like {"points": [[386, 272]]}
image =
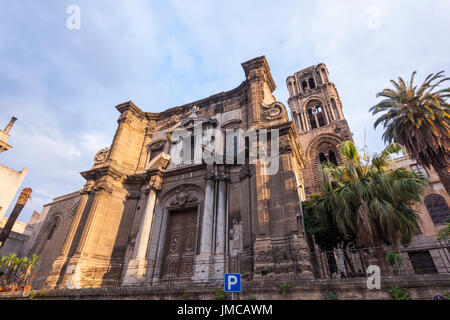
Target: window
{"points": [[417, 168], [190, 141], [312, 85], [316, 117], [304, 85], [437, 208], [312, 119], [320, 116], [322, 158], [52, 231], [422, 262], [329, 156], [154, 153], [332, 158], [192, 147]]}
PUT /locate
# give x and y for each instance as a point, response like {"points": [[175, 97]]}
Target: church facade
{"points": [[181, 196], [145, 218]]}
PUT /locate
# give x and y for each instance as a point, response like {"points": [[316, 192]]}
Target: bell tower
{"points": [[316, 111]]}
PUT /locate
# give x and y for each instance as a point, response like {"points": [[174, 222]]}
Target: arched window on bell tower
{"points": [[335, 109], [327, 153], [322, 158], [304, 85], [312, 119], [316, 116], [332, 157]]}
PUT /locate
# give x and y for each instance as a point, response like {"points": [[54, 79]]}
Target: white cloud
{"points": [[93, 142]]}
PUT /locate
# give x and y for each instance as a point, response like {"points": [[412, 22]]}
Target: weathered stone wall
{"points": [[417, 287]]}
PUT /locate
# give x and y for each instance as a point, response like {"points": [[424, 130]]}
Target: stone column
{"points": [[220, 235], [305, 121], [220, 231], [203, 261], [208, 211], [137, 266], [325, 111], [146, 226]]}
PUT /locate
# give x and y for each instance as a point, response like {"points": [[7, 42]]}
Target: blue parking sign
{"points": [[233, 282]]}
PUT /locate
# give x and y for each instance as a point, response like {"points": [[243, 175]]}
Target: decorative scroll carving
{"points": [[101, 156], [272, 111]]}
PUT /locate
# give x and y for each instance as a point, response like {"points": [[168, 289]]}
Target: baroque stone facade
{"points": [[144, 218]]}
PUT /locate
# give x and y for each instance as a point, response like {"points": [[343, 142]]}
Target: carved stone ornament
{"points": [[103, 186], [125, 118], [183, 196], [222, 176], [154, 183], [272, 111], [101, 156], [245, 172], [209, 175], [88, 187]]}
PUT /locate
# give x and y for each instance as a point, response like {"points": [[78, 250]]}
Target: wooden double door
{"points": [[180, 244]]}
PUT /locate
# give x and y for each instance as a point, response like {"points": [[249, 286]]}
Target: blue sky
{"points": [[63, 84]]}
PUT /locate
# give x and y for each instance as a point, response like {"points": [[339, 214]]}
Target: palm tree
{"points": [[368, 200], [419, 119]]}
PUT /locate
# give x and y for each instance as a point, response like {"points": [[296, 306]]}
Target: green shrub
{"points": [[444, 234], [398, 293], [186, 296], [447, 295], [330, 294], [219, 294], [284, 287], [394, 260]]}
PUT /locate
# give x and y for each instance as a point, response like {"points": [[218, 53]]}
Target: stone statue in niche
{"points": [[235, 238], [183, 196]]}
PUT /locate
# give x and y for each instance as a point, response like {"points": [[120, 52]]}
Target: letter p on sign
{"points": [[232, 282]]}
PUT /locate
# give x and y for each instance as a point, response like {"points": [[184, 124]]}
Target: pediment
{"points": [[159, 162]]}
